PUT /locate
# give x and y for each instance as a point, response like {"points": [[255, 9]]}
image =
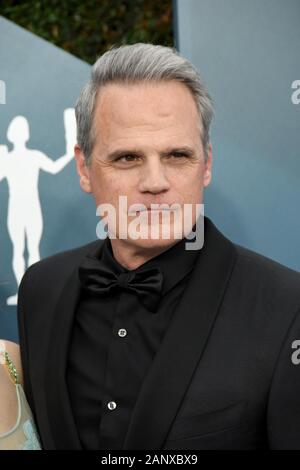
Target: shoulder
{"points": [[13, 350], [263, 281], [60, 264], [72, 255], [256, 273], [43, 283], [8, 397], [258, 265]]}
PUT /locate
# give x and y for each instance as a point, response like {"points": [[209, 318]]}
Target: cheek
{"points": [[108, 186], [188, 183]]}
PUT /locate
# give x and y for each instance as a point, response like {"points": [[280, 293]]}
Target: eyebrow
{"points": [[169, 151]]}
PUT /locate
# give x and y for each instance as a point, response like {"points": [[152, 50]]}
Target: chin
{"points": [[157, 241], [156, 244]]}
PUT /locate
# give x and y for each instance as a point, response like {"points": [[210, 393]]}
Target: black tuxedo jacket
{"points": [[225, 375]]}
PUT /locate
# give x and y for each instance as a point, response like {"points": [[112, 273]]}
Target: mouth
{"points": [[161, 208], [148, 210], [155, 210]]}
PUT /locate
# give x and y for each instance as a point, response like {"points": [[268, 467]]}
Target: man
{"points": [[139, 343]]}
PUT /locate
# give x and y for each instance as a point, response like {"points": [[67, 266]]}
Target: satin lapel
{"points": [[60, 413], [59, 408], [183, 344]]}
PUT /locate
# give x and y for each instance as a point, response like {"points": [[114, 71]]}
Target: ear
{"points": [[82, 170], [208, 167]]}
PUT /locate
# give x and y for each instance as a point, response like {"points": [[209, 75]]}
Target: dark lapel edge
{"points": [[183, 344], [60, 413]]}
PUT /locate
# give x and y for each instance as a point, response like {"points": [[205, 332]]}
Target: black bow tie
{"points": [[100, 279]]}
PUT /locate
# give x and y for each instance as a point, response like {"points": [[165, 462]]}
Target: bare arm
{"points": [[13, 350], [8, 398]]}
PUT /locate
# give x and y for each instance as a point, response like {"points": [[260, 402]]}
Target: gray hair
{"points": [[136, 63]]}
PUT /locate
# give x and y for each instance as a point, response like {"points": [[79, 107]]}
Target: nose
{"points": [[153, 178]]}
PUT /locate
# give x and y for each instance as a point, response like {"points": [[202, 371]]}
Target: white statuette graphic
{"points": [[21, 167]]}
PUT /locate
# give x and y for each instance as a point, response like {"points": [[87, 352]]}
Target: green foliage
{"points": [[87, 28]]}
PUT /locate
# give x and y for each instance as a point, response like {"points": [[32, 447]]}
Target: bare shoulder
{"points": [[13, 350], [8, 398]]}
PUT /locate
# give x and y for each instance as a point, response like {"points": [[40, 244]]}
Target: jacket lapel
{"points": [[182, 347], [183, 344]]}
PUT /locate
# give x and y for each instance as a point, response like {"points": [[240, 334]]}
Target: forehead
{"points": [[145, 107]]}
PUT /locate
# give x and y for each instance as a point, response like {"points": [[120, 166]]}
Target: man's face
{"points": [[148, 148]]}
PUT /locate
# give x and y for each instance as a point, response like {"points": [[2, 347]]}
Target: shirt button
{"points": [[122, 332], [112, 405]]}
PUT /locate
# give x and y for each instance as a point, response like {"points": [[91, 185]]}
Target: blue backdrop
{"points": [[41, 81], [249, 56]]}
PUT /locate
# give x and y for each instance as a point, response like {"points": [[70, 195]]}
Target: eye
{"points": [[126, 158], [178, 155]]}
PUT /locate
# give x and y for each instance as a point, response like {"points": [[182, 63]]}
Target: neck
{"points": [[132, 257]]}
